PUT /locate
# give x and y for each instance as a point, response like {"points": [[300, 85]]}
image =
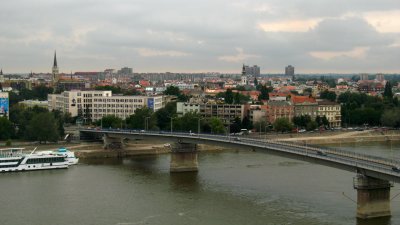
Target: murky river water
{"points": [[234, 188]]}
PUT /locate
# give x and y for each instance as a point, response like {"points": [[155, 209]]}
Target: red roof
{"points": [[302, 99], [144, 83]]}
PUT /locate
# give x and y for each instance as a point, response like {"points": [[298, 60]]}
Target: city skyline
{"points": [[202, 36]]}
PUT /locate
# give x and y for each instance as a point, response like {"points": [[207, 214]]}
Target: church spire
{"points": [[55, 59]]}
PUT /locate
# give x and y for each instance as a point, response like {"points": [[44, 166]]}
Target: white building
{"points": [[93, 105]]}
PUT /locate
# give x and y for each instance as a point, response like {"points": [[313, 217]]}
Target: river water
{"points": [[234, 188]]}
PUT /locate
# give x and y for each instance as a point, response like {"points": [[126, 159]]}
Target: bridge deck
{"points": [[373, 166]]}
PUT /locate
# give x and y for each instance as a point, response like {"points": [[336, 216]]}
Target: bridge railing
{"points": [[342, 156]]}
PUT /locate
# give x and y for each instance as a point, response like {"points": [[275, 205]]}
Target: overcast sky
{"points": [[336, 36]]}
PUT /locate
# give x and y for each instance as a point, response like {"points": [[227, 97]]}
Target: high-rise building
{"points": [[55, 72], [244, 76], [289, 71], [380, 77], [252, 70], [364, 76]]}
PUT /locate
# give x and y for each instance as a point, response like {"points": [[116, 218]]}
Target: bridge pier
{"points": [[113, 142], [183, 158], [373, 197]]}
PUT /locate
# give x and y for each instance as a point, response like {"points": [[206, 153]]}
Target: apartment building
{"points": [[279, 109], [93, 105], [331, 110], [225, 112]]}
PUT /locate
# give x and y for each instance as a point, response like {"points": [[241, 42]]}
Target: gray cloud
{"points": [[198, 35]]}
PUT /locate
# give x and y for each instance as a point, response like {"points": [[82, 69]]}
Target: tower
{"points": [[1, 76], [55, 73], [244, 76]]}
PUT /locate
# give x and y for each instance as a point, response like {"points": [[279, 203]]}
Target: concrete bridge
{"points": [[374, 175]]}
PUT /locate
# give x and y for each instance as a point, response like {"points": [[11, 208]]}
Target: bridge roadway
{"points": [[372, 166]]}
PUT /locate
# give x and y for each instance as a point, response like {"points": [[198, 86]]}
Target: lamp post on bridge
{"points": [[146, 123]]}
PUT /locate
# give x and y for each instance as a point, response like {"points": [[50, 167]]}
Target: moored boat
{"points": [[14, 159]]}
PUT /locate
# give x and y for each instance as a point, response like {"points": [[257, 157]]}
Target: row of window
{"points": [[118, 100], [45, 160]]}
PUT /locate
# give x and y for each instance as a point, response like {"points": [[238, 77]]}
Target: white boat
{"points": [[69, 156], [14, 159]]}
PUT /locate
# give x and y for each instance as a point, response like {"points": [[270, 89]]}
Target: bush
{"points": [[8, 143]]}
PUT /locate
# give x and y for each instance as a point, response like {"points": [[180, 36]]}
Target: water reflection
{"points": [[376, 221], [185, 182]]}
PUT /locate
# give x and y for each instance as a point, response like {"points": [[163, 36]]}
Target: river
{"points": [[234, 188]]}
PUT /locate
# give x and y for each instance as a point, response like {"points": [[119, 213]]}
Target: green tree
{"points": [[43, 127], [172, 90], [110, 121], [228, 96], [138, 120], [391, 118], [328, 95], [164, 115], [40, 92], [264, 93], [6, 129], [217, 126], [246, 123], [388, 93], [312, 125], [237, 98], [282, 125], [255, 82], [188, 122]]}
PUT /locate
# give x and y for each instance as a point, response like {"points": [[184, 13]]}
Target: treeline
{"points": [[34, 124], [39, 92]]}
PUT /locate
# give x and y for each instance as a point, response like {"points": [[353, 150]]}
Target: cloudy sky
{"points": [[336, 36]]}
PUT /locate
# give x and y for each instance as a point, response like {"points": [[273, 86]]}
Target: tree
{"points": [[255, 82], [388, 93], [172, 90], [237, 98], [236, 125], [264, 95], [6, 129], [141, 118], [110, 121], [312, 125], [228, 96], [163, 116], [246, 123], [41, 91], [328, 95], [43, 127], [188, 122], [391, 118], [282, 125], [114, 89], [217, 126]]}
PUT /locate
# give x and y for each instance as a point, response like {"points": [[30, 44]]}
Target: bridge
{"points": [[374, 175]]}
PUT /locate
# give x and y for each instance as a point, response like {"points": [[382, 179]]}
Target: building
{"points": [[55, 72], [225, 112], [33, 103], [364, 76], [304, 105], [257, 113], [125, 71], [289, 71], [252, 70], [279, 109], [380, 77], [332, 111], [93, 105], [4, 104]]}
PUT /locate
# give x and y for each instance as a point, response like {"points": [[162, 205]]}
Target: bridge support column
{"points": [[183, 158], [373, 197], [112, 142]]}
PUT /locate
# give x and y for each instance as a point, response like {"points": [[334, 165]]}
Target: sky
{"points": [[315, 36]]}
